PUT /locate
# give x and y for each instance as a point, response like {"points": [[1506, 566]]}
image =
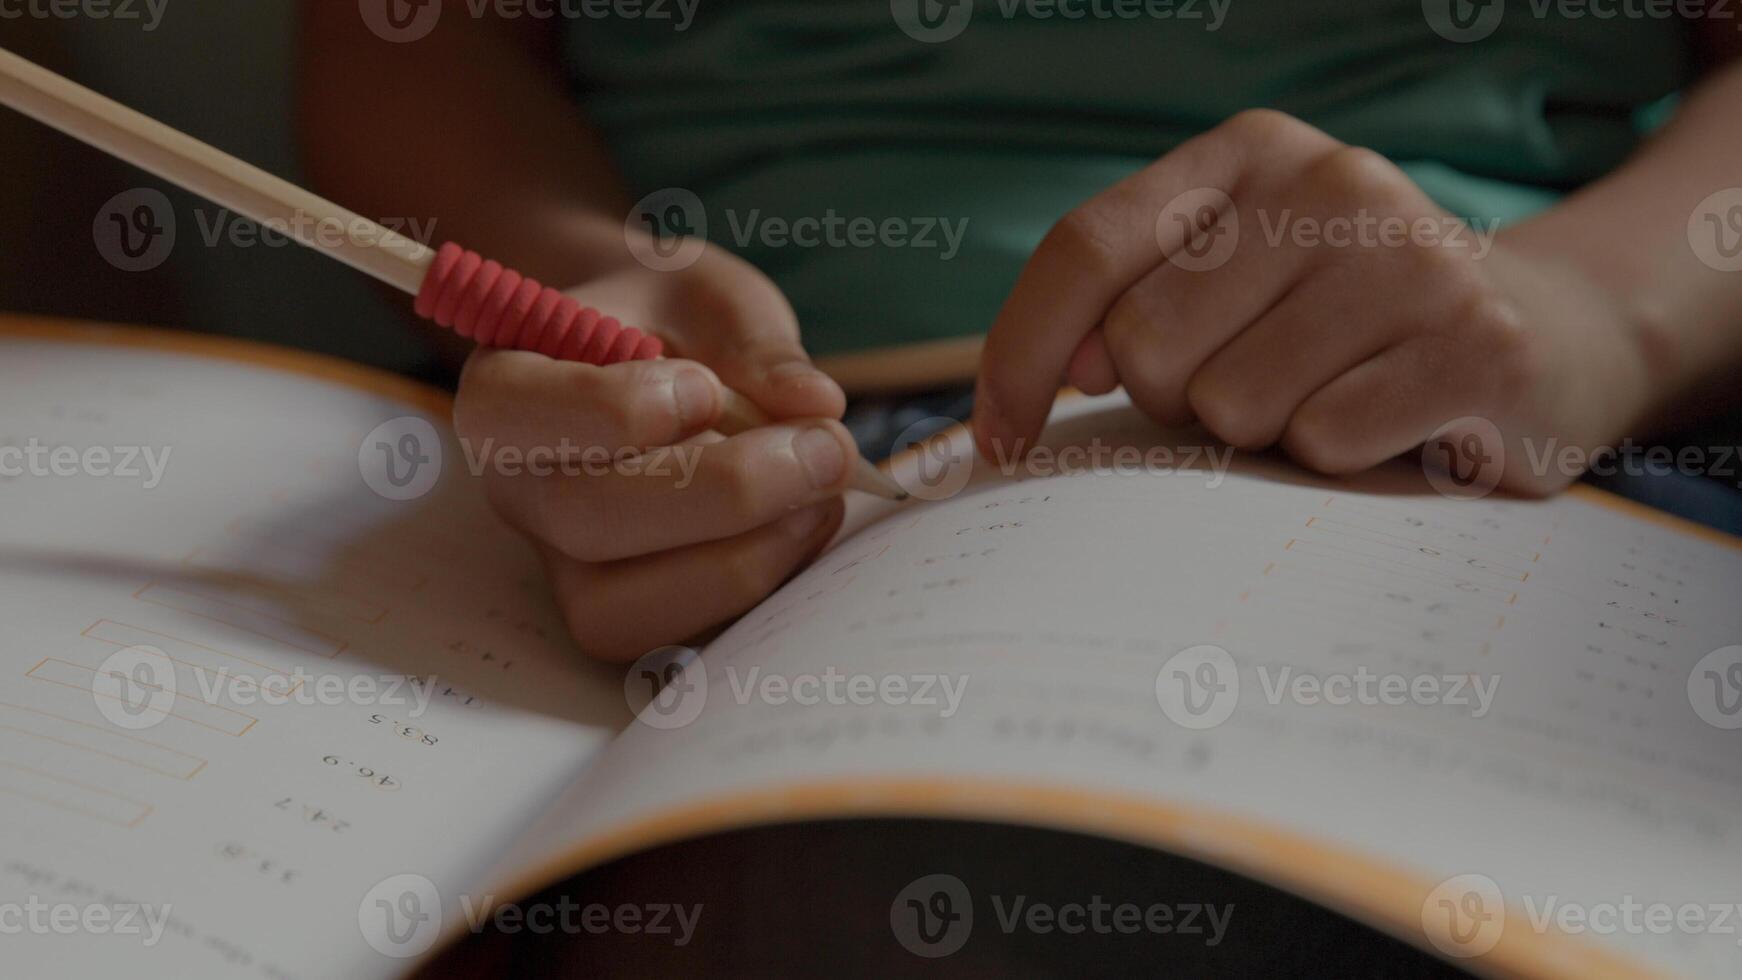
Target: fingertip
{"points": [[1091, 369], [798, 388], [995, 437], [699, 397]]}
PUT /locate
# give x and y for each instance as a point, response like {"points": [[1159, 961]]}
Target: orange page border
{"points": [[1349, 881], [321, 367], [1341, 878]]}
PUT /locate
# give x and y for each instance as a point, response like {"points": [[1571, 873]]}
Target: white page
{"points": [[263, 825], [1587, 778]]}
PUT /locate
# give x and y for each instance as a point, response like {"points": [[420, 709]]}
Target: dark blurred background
{"points": [[220, 70]]}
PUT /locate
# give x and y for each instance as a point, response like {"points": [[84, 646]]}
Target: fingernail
{"points": [[801, 524], [820, 453], [793, 373], [697, 397]]}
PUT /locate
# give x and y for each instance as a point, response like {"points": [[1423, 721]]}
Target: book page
{"points": [[1433, 703], [258, 717]]}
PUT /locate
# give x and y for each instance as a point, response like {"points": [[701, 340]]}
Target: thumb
{"points": [[742, 326]]}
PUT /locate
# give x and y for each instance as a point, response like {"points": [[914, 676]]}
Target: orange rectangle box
{"points": [[187, 707], [232, 612], [20, 720], [332, 598], [65, 794], [290, 546], [196, 656]]}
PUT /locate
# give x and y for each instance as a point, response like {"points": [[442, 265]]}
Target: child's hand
{"points": [[1345, 355], [695, 528]]}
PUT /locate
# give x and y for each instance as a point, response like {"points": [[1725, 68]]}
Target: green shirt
{"points": [[772, 111]]}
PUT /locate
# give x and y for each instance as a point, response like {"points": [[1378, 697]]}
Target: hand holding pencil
{"points": [[637, 558]]}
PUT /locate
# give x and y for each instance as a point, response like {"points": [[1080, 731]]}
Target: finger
{"points": [[1168, 324], [1247, 391], [670, 497], [1091, 370], [1384, 406], [528, 401], [750, 336], [1096, 253], [620, 610]]}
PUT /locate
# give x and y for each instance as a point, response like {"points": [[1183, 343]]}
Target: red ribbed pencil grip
{"points": [[499, 307]]}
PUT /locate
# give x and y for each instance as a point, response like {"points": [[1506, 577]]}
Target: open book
{"points": [[281, 697]]}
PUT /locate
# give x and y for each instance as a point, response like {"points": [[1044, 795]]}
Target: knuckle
{"points": [[554, 508], [1356, 172], [750, 573], [739, 486], [1134, 342], [1262, 125], [647, 414], [1315, 440], [1227, 410], [1080, 241]]}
